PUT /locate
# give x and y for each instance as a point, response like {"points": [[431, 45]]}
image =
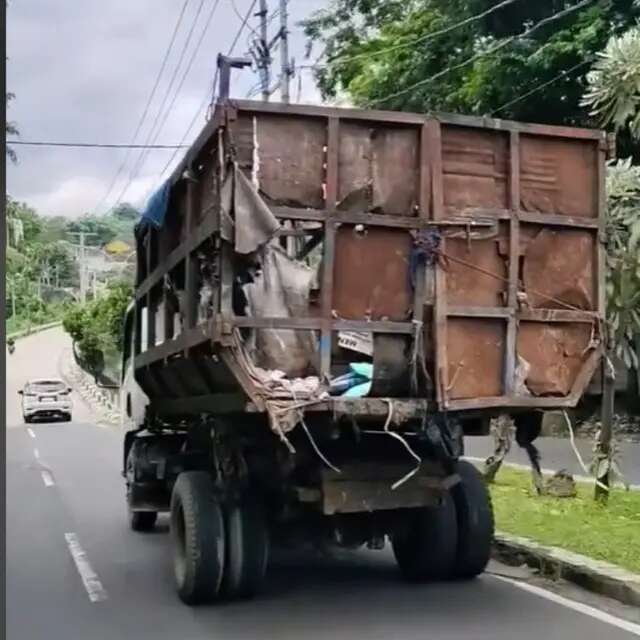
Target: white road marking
{"points": [[36, 453], [607, 618], [47, 478], [30, 432], [90, 580]]}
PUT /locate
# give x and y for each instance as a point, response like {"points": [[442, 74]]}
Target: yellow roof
{"points": [[117, 246]]}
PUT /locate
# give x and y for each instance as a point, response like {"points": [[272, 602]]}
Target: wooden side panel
{"points": [[559, 176], [475, 168]]}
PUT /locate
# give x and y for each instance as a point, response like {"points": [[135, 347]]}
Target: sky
{"points": [[83, 72]]}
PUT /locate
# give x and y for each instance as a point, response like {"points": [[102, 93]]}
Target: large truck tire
{"points": [[142, 520], [197, 532], [425, 549], [475, 522], [247, 550]]}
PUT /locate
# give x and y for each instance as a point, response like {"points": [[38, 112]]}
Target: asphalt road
{"points": [[68, 539]]}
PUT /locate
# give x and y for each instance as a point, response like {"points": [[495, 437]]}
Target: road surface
{"points": [[75, 570]]}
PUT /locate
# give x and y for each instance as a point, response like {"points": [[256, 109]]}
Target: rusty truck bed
{"points": [[469, 248]]}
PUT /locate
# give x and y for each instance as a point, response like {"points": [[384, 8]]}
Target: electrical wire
{"points": [[140, 160], [481, 54], [206, 97], [147, 106], [94, 145], [422, 39], [562, 74]]}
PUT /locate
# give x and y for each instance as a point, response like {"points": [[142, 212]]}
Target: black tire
{"points": [[66, 417], [197, 532], [27, 419], [475, 522], [142, 520], [425, 548], [247, 550]]}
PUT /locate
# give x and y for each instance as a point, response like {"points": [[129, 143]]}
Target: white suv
{"points": [[46, 398]]}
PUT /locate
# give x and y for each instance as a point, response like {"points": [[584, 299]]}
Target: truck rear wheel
{"points": [[475, 522], [425, 548], [247, 548], [197, 531]]}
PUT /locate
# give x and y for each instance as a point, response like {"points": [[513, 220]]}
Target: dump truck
{"points": [[328, 300]]}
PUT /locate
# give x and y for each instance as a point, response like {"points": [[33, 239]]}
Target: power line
{"points": [[415, 41], [147, 106], [138, 164], [94, 145], [186, 72], [206, 97], [490, 50], [562, 74]]}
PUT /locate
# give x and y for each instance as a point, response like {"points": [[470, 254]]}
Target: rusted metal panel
{"points": [[475, 351], [559, 176], [475, 168], [466, 286], [557, 271], [555, 353], [371, 274], [288, 158], [384, 160]]}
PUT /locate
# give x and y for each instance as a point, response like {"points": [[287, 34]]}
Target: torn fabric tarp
{"points": [[253, 222], [281, 289], [157, 205]]}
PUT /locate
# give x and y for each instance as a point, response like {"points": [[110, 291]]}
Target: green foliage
{"points": [[576, 524], [376, 48], [623, 258], [11, 129], [96, 327], [125, 211], [104, 232], [614, 83]]}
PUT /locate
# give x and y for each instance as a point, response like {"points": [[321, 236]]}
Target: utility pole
{"points": [[82, 261], [263, 51], [285, 66]]}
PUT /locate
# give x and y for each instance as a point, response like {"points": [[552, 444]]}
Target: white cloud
{"points": [[82, 72]]}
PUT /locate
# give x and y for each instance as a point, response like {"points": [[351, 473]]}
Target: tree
{"points": [[380, 52], [104, 232], [31, 222], [614, 98], [125, 211], [11, 130]]}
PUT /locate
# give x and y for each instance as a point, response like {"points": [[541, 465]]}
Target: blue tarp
{"points": [[156, 208]]}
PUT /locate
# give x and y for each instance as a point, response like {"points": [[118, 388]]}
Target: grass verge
{"points": [[605, 532]]}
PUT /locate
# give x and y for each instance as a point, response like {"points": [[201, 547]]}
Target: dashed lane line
{"points": [[89, 577], [31, 432]]}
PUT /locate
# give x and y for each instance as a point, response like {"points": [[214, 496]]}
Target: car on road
{"points": [[46, 398]]}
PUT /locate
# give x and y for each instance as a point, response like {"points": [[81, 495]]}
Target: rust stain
{"points": [[467, 286], [475, 168], [558, 264], [384, 158], [556, 353], [475, 355], [559, 176], [371, 273]]}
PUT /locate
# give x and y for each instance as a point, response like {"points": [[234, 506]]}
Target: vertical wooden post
{"points": [[440, 307], [191, 272], [424, 201], [151, 311], [514, 261], [331, 199]]}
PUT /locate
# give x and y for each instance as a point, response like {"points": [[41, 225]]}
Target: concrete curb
{"points": [[28, 332], [96, 398], [594, 575]]}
